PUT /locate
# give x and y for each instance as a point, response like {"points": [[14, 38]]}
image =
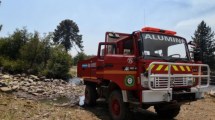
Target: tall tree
{"points": [[0, 27], [67, 34], [204, 39]]}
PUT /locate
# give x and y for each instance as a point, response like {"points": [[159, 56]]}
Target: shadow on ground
{"points": [[101, 111]]}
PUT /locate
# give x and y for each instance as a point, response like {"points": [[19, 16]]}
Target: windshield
{"points": [[157, 46]]}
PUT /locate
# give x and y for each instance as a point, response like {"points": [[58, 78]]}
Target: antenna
{"points": [[144, 18]]}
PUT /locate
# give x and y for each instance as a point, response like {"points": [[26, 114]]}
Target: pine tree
{"points": [[0, 27], [66, 34], [204, 39]]}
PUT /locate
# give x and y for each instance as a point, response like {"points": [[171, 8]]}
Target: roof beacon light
{"points": [[151, 29]]}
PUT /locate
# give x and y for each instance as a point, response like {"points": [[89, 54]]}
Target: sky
{"points": [[95, 17]]}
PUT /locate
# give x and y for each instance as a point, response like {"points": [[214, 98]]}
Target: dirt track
{"points": [[12, 108], [198, 110]]}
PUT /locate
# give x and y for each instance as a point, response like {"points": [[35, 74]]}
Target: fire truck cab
{"points": [[151, 67]]}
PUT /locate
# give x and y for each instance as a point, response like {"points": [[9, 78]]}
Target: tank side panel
{"points": [[87, 68]]}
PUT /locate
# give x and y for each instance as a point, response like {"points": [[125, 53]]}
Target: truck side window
{"points": [[111, 49], [102, 51], [128, 47]]}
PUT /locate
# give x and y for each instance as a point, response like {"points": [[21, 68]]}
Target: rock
{"points": [[22, 78], [212, 93], [16, 79], [13, 83], [46, 115], [34, 77], [26, 84], [25, 89], [55, 81], [15, 87], [63, 82], [3, 85], [6, 76], [23, 75], [35, 94], [6, 89], [17, 75], [40, 91], [30, 80], [34, 83], [47, 80], [4, 103], [42, 77]]}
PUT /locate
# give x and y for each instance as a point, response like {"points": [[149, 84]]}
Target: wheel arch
{"points": [[113, 86], [87, 82]]}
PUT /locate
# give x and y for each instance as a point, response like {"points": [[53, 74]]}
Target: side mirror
{"points": [[196, 51], [191, 43], [197, 54]]}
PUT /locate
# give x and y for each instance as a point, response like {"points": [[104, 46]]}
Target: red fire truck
{"points": [[151, 67]]}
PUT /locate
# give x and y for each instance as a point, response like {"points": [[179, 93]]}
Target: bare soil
{"points": [[13, 108]]}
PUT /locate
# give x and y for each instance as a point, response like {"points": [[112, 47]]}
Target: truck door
{"points": [[104, 49], [121, 67]]}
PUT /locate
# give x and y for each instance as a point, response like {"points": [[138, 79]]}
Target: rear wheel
{"points": [[168, 110], [90, 95], [117, 108]]}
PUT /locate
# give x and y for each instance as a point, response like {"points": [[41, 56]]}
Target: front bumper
{"points": [[160, 85], [151, 96]]}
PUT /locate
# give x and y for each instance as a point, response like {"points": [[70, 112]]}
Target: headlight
{"points": [[145, 84], [145, 81], [189, 81]]}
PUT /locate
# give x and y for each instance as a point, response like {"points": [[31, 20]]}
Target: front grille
{"points": [[162, 82]]}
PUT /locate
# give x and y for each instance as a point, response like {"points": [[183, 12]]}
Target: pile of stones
{"points": [[39, 87]]}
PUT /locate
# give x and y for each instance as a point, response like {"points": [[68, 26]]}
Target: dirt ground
{"points": [[13, 108]]}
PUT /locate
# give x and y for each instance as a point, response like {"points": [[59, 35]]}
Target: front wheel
{"points": [[117, 108], [168, 110]]}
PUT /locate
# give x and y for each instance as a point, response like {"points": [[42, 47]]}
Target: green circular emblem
{"points": [[129, 80]]}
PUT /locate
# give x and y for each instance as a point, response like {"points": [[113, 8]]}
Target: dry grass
{"points": [[12, 108]]}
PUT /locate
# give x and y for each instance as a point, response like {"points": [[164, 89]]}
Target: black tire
{"points": [[117, 108], [168, 111], [90, 95]]}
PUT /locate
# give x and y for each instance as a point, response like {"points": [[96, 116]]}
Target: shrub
{"points": [[12, 66], [59, 64]]}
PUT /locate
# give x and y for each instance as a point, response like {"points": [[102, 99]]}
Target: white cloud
{"points": [[202, 3], [187, 27]]}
